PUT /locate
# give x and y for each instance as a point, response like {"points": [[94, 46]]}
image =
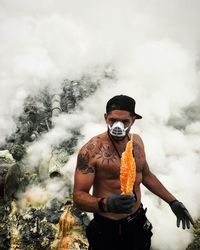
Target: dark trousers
{"points": [[132, 233]]}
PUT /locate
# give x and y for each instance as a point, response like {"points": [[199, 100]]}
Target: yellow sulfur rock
{"points": [[127, 169]]}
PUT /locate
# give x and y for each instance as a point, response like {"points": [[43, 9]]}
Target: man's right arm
{"points": [[83, 181]]}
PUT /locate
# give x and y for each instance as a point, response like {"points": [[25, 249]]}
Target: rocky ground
{"points": [[38, 225], [195, 245]]}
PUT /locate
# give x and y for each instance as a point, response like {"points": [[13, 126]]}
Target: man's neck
{"points": [[119, 140]]}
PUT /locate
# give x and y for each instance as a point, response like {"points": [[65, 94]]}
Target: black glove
{"points": [[120, 203], [181, 213]]}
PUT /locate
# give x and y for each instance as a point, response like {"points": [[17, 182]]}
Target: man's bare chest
{"points": [[107, 160]]}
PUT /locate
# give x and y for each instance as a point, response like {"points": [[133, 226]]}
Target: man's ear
{"points": [[133, 120], [105, 116]]}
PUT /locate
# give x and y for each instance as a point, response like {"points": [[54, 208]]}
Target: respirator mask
{"points": [[117, 129]]}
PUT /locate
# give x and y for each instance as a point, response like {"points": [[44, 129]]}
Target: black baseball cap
{"points": [[122, 102]]}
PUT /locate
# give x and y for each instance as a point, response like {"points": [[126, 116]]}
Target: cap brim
{"points": [[137, 116]]}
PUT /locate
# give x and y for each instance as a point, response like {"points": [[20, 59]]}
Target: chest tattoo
{"points": [[106, 155]]}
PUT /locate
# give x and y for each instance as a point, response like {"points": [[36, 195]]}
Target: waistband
{"points": [[126, 219]]}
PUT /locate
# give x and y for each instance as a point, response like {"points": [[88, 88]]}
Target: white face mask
{"points": [[117, 129]]}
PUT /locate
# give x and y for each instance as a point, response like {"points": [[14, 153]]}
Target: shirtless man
{"points": [[119, 220]]}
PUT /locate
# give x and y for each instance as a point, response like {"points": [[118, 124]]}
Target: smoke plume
{"points": [[153, 48]]}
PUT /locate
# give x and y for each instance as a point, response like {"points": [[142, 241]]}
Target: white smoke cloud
{"points": [[153, 47]]}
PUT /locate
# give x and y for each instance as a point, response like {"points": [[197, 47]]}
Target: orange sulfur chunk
{"points": [[65, 225], [127, 169]]}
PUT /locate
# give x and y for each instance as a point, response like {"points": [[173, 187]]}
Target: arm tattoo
{"points": [[90, 146], [82, 164]]}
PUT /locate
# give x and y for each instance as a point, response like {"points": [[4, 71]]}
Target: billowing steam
{"points": [[153, 48]]}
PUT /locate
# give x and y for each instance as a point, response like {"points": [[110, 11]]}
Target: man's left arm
{"points": [[151, 182]]}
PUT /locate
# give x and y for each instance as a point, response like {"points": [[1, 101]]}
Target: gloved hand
{"points": [[120, 203], [181, 213]]}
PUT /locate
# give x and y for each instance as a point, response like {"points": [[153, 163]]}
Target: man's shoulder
{"points": [[94, 142], [97, 138], [138, 140]]}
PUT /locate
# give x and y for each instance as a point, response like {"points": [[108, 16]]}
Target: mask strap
{"points": [[115, 145]]}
